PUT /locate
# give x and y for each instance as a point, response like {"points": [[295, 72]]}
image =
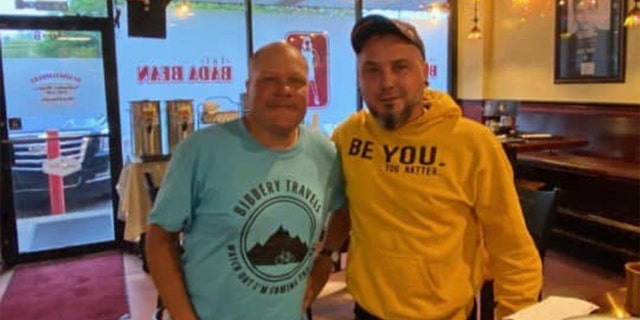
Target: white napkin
{"points": [[554, 308], [332, 287]]}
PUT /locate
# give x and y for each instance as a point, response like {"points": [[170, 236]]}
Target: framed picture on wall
{"points": [[589, 41]]}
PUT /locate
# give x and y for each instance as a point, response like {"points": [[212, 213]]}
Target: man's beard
{"points": [[392, 121]]}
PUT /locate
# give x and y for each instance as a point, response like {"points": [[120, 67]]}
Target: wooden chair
{"points": [[152, 191], [538, 207]]}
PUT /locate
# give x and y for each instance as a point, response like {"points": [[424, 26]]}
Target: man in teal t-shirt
{"points": [[250, 198]]}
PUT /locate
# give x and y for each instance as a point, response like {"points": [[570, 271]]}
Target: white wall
{"points": [[514, 60]]}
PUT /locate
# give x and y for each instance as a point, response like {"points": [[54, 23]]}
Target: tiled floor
{"points": [[563, 276]]}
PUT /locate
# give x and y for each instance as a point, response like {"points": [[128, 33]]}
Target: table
{"points": [[135, 203], [524, 145], [514, 146], [612, 303]]}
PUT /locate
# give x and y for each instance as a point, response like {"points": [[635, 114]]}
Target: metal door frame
{"points": [[8, 227]]}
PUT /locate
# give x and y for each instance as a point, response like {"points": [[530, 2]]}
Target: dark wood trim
{"points": [[571, 107], [472, 109], [470, 103], [600, 109], [452, 63], [358, 15]]}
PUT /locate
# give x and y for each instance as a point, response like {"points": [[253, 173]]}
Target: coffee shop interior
{"points": [[96, 94]]}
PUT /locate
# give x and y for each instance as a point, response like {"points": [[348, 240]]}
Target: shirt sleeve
{"points": [[338, 194], [336, 197], [174, 203]]}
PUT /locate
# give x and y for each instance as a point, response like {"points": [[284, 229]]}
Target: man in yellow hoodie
{"points": [[429, 191]]}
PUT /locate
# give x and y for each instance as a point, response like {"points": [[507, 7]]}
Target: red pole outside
{"points": [[56, 186]]}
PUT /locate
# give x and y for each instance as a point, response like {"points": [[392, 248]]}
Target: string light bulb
{"points": [[184, 7], [436, 10], [632, 20], [475, 33], [183, 10]]}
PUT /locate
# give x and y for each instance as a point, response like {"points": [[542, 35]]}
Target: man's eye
{"points": [[267, 79], [401, 67], [371, 69]]}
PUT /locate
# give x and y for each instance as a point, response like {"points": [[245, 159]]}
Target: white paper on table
{"points": [[332, 287], [554, 308]]}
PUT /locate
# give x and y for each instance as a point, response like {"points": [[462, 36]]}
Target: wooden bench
{"points": [[599, 205], [584, 165]]}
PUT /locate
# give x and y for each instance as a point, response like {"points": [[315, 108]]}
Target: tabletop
{"points": [[612, 302], [514, 146], [524, 145]]}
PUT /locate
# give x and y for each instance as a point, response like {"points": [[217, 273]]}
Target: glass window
{"points": [[204, 55], [322, 32], [90, 8], [203, 59], [432, 22], [44, 70]]}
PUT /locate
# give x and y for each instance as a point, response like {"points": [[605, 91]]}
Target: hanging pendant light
{"points": [[475, 32], [439, 8], [632, 20]]}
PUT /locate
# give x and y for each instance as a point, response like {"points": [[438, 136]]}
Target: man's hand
{"points": [[322, 267]]}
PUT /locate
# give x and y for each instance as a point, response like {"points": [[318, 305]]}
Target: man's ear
{"points": [[425, 70]]}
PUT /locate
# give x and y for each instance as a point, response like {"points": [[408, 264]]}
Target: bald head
{"points": [[276, 90], [275, 51]]}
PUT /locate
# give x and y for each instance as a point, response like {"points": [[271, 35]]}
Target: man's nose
{"points": [[284, 88], [388, 78]]}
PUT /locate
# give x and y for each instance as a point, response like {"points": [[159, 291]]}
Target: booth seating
{"points": [[608, 169], [598, 212]]}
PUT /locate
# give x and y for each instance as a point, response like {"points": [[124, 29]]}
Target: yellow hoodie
{"points": [[419, 197]]}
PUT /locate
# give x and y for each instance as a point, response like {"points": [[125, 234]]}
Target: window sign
{"points": [[313, 46], [321, 33], [204, 56], [54, 75]]}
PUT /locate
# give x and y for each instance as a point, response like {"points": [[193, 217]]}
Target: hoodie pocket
{"points": [[393, 286]]}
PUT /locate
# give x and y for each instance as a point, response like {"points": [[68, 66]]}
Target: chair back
{"points": [[538, 207], [152, 189]]}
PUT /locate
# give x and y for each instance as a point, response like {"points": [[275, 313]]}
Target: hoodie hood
{"points": [[440, 105]]}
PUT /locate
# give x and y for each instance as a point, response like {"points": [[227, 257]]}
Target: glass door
{"points": [[57, 179]]}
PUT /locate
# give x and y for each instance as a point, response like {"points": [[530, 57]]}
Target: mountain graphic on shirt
{"points": [[280, 248]]}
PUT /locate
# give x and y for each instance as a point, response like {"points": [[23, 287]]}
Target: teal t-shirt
{"points": [[250, 218]]}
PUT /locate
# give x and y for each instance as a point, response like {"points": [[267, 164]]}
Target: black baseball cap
{"points": [[376, 24]]}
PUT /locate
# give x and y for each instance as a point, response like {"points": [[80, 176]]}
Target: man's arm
{"points": [[163, 255], [335, 236], [513, 259]]}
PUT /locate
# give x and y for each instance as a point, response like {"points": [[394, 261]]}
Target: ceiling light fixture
{"points": [[475, 32], [632, 20]]}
